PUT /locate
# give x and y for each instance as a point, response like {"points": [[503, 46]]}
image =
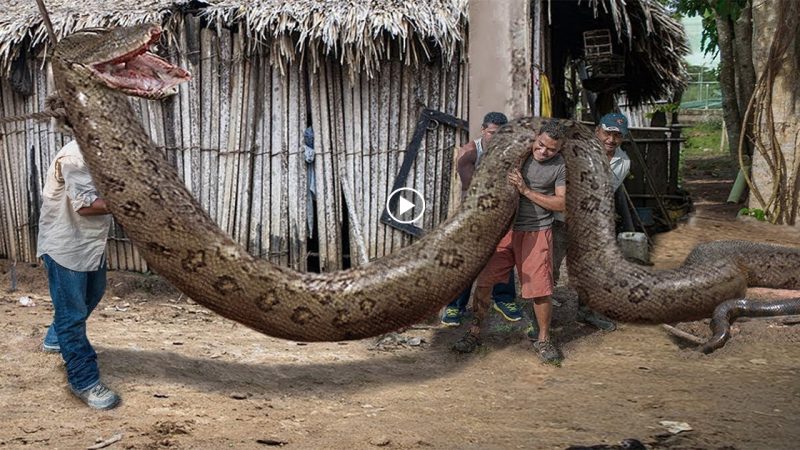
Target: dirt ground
{"points": [[190, 379]]}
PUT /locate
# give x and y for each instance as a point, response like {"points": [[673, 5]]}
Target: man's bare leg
{"points": [[481, 302], [545, 348], [543, 309], [480, 308]]}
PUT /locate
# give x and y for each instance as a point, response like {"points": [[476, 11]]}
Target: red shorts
{"points": [[531, 252]]}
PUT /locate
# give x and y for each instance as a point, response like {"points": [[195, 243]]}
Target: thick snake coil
{"points": [[182, 243]]}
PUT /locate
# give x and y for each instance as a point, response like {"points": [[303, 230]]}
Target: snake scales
{"points": [[95, 69]]}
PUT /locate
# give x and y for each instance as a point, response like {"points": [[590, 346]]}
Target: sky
{"points": [[694, 31]]}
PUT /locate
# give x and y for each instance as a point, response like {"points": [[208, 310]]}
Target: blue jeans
{"points": [[501, 292], [74, 295]]}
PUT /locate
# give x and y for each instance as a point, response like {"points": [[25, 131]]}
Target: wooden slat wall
{"points": [[235, 136], [368, 156], [325, 167]]}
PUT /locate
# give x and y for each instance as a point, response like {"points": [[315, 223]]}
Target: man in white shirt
{"points": [[73, 228], [611, 130]]}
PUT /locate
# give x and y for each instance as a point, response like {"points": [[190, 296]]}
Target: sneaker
{"points": [[98, 396], [532, 331], [467, 344], [51, 348], [509, 310], [586, 315], [451, 317], [548, 352]]}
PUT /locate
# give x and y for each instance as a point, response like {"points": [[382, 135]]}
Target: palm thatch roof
{"points": [[360, 33], [653, 40]]}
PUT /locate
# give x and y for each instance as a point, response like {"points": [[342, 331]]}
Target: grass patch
{"points": [[701, 152], [503, 328], [702, 140]]}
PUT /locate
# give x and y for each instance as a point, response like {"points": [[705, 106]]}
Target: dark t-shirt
{"points": [[542, 177]]}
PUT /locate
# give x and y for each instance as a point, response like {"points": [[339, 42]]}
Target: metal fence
{"points": [[702, 92]]}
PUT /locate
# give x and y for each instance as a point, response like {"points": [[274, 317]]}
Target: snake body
{"points": [[182, 243]]}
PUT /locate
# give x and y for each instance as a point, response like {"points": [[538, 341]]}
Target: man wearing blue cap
{"points": [[611, 130]]}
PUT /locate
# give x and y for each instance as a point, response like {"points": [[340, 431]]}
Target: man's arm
{"points": [[97, 208], [467, 157], [620, 170], [555, 202], [80, 188]]}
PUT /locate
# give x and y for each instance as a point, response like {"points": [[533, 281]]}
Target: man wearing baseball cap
{"points": [[611, 130]]}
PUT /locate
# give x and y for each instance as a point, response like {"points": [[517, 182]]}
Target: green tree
{"points": [[755, 127], [728, 29]]}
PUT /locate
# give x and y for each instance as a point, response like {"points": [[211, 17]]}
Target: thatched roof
{"points": [[653, 40], [21, 25], [359, 32]]}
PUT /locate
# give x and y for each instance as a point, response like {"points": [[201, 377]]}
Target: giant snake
{"points": [[95, 70]]}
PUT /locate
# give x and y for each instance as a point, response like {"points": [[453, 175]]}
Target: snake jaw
{"points": [[140, 72]]}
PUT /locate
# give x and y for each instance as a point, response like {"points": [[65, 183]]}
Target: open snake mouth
{"points": [[141, 73]]}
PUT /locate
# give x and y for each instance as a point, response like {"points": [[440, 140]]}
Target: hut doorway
{"points": [[587, 64]]}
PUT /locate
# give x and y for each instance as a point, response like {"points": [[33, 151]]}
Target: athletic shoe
{"points": [[509, 310], [98, 396], [451, 317], [533, 330], [51, 348], [548, 352]]}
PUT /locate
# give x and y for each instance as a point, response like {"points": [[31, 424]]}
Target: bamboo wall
{"points": [[235, 133]]}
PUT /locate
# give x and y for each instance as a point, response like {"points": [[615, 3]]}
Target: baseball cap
{"points": [[615, 122]]}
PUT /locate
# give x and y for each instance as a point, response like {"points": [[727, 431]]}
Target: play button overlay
{"points": [[403, 206], [402, 202]]}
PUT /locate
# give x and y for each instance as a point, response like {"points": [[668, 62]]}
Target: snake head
{"points": [[120, 59]]}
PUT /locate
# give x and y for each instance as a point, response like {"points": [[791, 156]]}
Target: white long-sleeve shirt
{"points": [[620, 167], [73, 241]]}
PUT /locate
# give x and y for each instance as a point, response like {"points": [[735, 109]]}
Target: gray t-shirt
{"points": [[542, 177]]}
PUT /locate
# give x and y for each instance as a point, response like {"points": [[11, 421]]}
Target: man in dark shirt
{"points": [[503, 293]]}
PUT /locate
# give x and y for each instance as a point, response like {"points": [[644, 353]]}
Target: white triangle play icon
{"points": [[404, 206], [396, 207]]}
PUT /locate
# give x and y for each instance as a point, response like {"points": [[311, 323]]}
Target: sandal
{"points": [[467, 344]]}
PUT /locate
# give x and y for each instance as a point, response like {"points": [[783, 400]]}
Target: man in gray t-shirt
{"points": [[542, 177], [528, 245]]}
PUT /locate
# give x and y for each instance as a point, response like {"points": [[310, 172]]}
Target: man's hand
{"points": [[554, 202], [97, 208], [515, 178]]}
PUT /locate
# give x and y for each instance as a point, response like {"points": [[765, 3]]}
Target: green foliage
{"points": [[709, 10], [703, 140], [667, 108], [759, 214], [700, 152]]}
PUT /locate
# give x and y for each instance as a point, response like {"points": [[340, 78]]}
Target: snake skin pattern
{"points": [[183, 244]]}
